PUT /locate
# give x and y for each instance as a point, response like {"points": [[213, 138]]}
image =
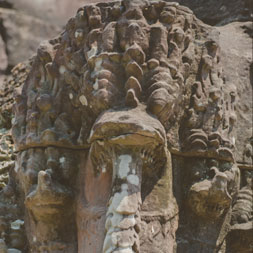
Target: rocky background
{"points": [[25, 23]]}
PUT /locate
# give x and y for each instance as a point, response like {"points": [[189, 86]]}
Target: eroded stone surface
{"points": [[126, 134]]}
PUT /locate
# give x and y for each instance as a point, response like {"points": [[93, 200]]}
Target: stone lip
{"points": [[128, 127]]}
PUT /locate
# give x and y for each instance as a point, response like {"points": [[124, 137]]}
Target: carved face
{"points": [[124, 144], [214, 184], [37, 169]]}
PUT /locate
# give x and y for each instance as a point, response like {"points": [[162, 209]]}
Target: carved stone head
{"points": [[213, 188], [101, 112]]}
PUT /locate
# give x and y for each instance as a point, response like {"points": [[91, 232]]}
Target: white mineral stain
{"points": [[15, 225], [124, 168], [79, 33], [116, 219], [110, 231], [115, 239], [98, 64], [107, 244], [133, 179], [117, 198], [124, 187], [97, 67], [62, 159], [119, 205], [92, 52], [83, 100], [62, 69], [108, 222], [16, 167], [95, 85]]}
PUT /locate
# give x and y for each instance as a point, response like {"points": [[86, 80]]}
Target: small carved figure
{"points": [[243, 207]]}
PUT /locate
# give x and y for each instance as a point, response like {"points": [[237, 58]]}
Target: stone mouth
{"points": [[44, 209], [131, 130], [103, 152], [208, 209]]}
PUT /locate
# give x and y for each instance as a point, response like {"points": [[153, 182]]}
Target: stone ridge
{"points": [[87, 65]]}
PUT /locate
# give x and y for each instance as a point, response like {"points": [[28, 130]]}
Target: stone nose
{"points": [[44, 180]]}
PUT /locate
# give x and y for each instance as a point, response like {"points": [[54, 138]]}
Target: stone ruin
{"points": [[125, 139]]}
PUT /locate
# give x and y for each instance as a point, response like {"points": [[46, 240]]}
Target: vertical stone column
{"points": [[124, 206]]}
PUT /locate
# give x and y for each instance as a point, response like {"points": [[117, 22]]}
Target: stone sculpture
{"points": [[123, 126], [239, 237]]}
